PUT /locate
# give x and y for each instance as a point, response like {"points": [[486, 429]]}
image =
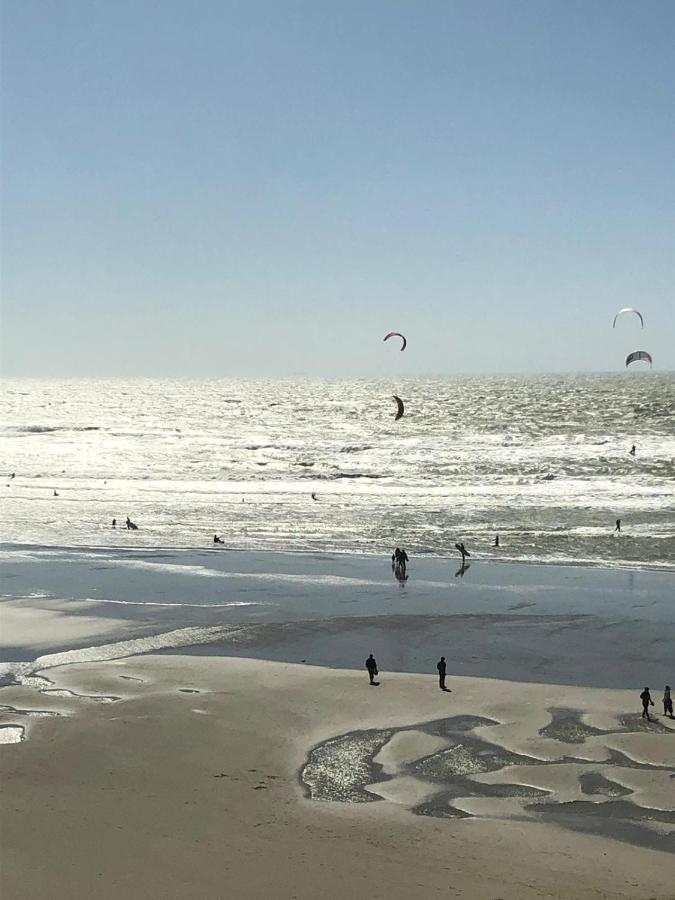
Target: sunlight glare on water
{"points": [[543, 461]]}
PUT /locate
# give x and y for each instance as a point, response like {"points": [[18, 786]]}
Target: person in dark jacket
{"points": [[647, 701], [371, 665], [667, 702], [440, 665]]}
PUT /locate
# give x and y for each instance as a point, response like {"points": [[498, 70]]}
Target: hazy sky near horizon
{"points": [[262, 188]]}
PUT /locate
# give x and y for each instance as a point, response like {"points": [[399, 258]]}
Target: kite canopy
{"points": [[401, 408], [396, 334], [628, 309], [638, 355]]}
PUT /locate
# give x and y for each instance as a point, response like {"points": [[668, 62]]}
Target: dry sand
{"points": [[188, 787]]}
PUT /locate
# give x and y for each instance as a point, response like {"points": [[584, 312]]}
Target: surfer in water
{"points": [[632, 450], [496, 540], [618, 525], [130, 525], [217, 540]]}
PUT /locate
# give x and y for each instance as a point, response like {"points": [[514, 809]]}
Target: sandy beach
{"points": [[187, 785], [195, 770]]}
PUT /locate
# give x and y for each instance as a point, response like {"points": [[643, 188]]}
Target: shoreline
{"points": [[567, 625], [664, 567]]}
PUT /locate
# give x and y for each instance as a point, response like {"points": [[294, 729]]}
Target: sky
{"points": [[267, 188]]}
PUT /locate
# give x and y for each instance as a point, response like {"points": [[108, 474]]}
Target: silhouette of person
{"points": [[667, 702], [462, 549], [632, 450], [217, 540], [496, 540], [647, 701], [56, 494], [371, 665], [618, 525], [114, 523], [440, 665], [403, 558], [130, 525]]}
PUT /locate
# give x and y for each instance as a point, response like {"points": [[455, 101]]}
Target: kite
{"points": [[638, 355], [396, 334], [628, 309]]}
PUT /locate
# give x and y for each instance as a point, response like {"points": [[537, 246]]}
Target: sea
{"points": [[323, 466]]}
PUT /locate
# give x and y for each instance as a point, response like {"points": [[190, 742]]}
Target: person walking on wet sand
{"points": [[647, 701], [371, 665], [440, 665], [462, 549], [667, 702]]}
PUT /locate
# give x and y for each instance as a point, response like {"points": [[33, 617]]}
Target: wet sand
{"points": [[562, 624]]}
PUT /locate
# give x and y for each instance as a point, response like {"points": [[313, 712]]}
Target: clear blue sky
{"points": [[218, 188]]}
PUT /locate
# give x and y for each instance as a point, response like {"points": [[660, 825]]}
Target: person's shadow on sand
{"points": [[374, 683], [462, 569]]}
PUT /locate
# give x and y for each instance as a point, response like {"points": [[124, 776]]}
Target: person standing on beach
{"points": [[440, 665], [462, 549], [618, 525], [371, 665], [667, 702], [647, 701]]}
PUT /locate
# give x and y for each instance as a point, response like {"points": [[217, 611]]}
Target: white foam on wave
{"points": [[180, 637], [233, 603], [204, 572]]}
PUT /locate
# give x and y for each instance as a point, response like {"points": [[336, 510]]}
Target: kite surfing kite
{"points": [[401, 408], [639, 355], [396, 334], [628, 309]]}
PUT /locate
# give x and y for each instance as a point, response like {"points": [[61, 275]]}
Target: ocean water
{"points": [[542, 461]]}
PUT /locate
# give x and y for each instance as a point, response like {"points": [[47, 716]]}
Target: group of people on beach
{"points": [[371, 666], [647, 701], [441, 667]]}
